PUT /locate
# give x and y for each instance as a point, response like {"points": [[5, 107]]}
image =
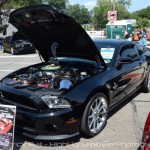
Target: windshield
{"points": [[106, 50], [72, 59]]}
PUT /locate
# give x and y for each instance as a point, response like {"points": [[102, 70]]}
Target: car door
{"points": [[131, 71], [144, 57]]}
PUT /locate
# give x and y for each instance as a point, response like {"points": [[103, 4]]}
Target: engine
{"points": [[50, 76]]}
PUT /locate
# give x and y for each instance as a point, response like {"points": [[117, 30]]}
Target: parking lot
{"points": [[122, 132]]}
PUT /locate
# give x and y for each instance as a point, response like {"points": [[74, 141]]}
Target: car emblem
{"points": [[53, 49], [1, 94]]}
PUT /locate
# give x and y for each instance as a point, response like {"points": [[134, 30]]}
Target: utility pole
{"points": [[113, 5]]}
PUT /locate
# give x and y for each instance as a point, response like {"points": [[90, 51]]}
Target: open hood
{"points": [[54, 33]]}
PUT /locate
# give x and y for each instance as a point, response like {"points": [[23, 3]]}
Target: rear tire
{"points": [[95, 116], [146, 84]]}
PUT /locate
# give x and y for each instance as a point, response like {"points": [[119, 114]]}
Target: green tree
{"points": [[14, 4], [143, 13], [2, 2], [143, 22], [79, 13], [142, 16], [125, 3], [61, 4], [3, 15], [100, 12], [134, 15]]}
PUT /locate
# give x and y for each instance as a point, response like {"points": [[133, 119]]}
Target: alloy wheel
{"points": [[97, 116]]}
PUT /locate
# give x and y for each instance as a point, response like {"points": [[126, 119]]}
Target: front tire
{"points": [[12, 51], [3, 50], [95, 116], [146, 84]]}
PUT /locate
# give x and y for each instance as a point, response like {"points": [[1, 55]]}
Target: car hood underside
{"points": [[54, 33]]}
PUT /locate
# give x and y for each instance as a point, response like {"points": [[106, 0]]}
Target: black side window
{"points": [[130, 52]]}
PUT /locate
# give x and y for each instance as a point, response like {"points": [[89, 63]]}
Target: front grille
{"points": [[10, 102], [21, 118], [19, 100]]}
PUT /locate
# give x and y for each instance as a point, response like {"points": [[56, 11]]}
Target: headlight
{"points": [[22, 45], [55, 102]]}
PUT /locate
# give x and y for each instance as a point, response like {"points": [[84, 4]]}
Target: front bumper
{"points": [[61, 124]]}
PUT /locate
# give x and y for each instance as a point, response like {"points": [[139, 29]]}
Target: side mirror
{"points": [[147, 57], [125, 60]]}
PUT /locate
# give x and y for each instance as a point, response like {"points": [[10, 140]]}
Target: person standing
{"points": [[143, 40], [130, 38], [135, 36], [125, 34]]}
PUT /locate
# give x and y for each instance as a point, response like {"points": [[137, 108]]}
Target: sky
{"points": [[136, 4]]}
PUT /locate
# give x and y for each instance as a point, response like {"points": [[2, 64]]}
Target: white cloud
{"points": [[90, 4], [87, 3]]}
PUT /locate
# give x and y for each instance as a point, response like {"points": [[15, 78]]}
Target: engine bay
{"points": [[56, 76]]}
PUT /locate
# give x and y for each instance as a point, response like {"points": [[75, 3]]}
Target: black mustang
{"points": [[72, 91]]}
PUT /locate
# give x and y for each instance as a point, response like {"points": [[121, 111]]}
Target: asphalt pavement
{"points": [[122, 132]]}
